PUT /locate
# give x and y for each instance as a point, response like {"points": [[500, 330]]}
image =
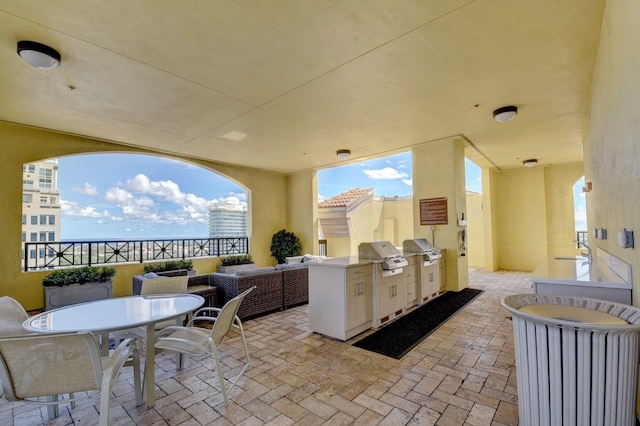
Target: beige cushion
{"points": [[165, 285]]}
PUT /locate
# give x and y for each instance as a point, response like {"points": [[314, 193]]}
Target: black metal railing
{"points": [[582, 238], [55, 254]]}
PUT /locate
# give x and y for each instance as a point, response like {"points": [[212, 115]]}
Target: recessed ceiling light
{"points": [[343, 154], [234, 136], [39, 55], [530, 162], [505, 113]]}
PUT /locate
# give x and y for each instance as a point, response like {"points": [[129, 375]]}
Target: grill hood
{"points": [[421, 246], [385, 251]]}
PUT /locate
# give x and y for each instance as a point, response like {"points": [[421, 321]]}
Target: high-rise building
{"points": [[41, 213], [227, 220]]}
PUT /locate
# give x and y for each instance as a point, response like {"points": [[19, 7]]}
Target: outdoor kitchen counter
{"points": [[343, 262], [340, 296]]}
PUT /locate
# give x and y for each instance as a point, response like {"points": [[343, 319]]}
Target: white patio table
{"points": [[115, 314]]}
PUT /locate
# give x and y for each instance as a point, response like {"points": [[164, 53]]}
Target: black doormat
{"points": [[399, 337]]}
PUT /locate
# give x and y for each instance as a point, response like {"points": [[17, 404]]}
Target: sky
{"points": [[138, 197], [135, 196]]}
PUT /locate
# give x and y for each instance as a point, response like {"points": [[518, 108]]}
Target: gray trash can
{"points": [[576, 360]]}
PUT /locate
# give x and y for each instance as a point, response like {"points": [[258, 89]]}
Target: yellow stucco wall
{"points": [[520, 226], [266, 190], [339, 247], [489, 176], [302, 195], [365, 224], [475, 230], [612, 148], [398, 217], [559, 181], [438, 171]]}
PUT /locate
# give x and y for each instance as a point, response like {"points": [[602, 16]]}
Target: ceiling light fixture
{"points": [[39, 55], [530, 163], [343, 154], [505, 113]]}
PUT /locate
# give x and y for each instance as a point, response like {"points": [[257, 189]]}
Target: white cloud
{"points": [[72, 208], [140, 199], [408, 182], [386, 173], [86, 189]]}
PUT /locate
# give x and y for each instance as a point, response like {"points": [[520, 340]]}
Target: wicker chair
{"points": [[38, 368], [295, 284], [266, 298]]}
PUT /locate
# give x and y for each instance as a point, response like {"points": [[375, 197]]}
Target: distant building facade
{"points": [[227, 220], [41, 212]]}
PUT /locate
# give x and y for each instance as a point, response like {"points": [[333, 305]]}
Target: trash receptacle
{"points": [[576, 360]]}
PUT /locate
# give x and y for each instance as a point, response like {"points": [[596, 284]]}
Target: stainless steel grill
{"points": [[421, 246], [391, 258]]}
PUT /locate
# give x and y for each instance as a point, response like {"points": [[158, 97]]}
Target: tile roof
{"points": [[345, 198]]}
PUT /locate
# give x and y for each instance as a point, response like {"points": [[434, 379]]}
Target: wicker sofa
{"points": [[277, 288], [196, 284]]}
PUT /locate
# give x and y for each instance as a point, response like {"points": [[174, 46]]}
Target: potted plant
{"points": [[285, 244], [231, 264], [171, 265], [64, 287]]}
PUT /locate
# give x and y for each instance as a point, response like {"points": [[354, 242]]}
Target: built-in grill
{"points": [[421, 246], [392, 260], [429, 266]]}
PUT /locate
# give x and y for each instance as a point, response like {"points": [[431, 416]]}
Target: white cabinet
{"points": [[389, 296], [411, 282], [429, 280], [340, 297], [359, 306]]}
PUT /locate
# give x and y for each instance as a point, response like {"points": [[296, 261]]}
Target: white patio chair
{"points": [[12, 315], [196, 341], [37, 368], [164, 285]]}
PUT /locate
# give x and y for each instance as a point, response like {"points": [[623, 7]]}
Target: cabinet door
{"points": [[433, 279], [441, 267], [411, 285], [359, 308]]}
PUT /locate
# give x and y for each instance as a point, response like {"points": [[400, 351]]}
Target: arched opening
{"points": [[124, 196]]}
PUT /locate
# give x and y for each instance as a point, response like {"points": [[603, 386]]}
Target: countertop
{"points": [[577, 271], [342, 262]]}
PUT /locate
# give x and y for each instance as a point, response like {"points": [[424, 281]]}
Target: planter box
{"points": [[56, 297], [233, 268]]}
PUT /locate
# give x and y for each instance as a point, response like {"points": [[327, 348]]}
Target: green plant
{"points": [[241, 259], [170, 265], [285, 244], [83, 275]]}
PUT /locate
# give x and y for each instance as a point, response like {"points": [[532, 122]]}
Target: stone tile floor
{"points": [[462, 374]]}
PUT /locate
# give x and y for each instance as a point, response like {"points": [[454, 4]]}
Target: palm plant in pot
{"points": [[76, 285], [285, 244]]}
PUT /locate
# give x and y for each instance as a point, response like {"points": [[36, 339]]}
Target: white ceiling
{"points": [[304, 78]]}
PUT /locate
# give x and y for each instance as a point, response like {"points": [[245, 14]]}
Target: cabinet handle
{"points": [[430, 276]]}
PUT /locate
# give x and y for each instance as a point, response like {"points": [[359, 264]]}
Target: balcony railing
{"points": [[55, 254]]}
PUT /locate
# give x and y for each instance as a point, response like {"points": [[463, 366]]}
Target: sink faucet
{"points": [[589, 253]]}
